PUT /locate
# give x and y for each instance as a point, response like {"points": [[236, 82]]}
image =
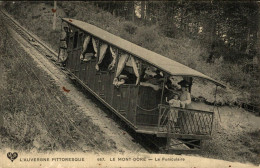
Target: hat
{"points": [[184, 83]]}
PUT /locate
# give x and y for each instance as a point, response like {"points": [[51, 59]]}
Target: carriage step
{"points": [[183, 151], [177, 146]]}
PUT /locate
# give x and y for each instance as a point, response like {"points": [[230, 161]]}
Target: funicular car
{"points": [[134, 83]]}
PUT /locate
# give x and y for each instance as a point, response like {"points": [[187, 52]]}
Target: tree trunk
{"points": [[142, 10], [134, 15]]}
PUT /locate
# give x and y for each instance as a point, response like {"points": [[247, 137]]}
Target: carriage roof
{"points": [[165, 64]]}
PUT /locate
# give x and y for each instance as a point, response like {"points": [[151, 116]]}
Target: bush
{"points": [[130, 27], [147, 37]]}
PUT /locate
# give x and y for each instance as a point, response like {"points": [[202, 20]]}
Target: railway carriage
{"points": [[113, 70]]}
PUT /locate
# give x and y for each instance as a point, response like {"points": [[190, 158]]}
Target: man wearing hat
{"points": [[186, 81]]}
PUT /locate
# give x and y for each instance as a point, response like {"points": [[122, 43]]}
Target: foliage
{"points": [[130, 27]]}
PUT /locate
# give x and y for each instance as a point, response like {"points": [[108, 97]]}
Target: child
{"points": [[175, 102]]}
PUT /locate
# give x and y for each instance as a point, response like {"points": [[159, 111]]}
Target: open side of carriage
{"points": [[97, 59]]}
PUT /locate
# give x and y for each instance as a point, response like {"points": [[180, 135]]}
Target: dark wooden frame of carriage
{"points": [[122, 101]]}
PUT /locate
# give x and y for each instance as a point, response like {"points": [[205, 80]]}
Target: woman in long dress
{"points": [[185, 117]]}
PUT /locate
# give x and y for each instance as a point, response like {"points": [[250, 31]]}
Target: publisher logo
{"points": [[12, 156]]}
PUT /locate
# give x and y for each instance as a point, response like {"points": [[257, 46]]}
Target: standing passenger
{"points": [[185, 97], [185, 117], [173, 116]]}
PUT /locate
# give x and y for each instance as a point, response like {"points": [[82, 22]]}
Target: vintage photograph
{"points": [[129, 83]]}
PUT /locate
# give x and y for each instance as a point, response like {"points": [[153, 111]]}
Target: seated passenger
{"points": [[131, 78], [152, 78], [125, 78], [120, 80], [171, 84]]}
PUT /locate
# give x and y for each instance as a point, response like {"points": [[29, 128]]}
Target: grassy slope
{"points": [[28, 95]]}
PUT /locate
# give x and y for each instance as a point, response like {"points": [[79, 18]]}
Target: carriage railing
{"points": [[184, 121]]}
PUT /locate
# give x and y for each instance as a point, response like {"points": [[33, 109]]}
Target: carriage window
{"points": [[89, 49], [103, 66], [71, 43], [80, 41], [75, 41], [107, 58], [152, 77], [127, 71]]}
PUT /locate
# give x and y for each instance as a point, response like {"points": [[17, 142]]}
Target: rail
{"points": [[37, 43], [181, 121], [250, 107], [25, 33]]}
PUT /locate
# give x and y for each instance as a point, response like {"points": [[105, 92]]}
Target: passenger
{"points": [[150, 72], [185, 96], [130, 77], [63, 55], [171, 84], [173, 116], [152, 78], [64, 37], [185, 118], [120, 80], [186, 81], [171, 88], [125, 78], [175, 102]]}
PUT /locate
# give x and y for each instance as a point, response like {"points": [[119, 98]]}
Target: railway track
{"points": [[52, 56], [37, 43], [145, 141]]}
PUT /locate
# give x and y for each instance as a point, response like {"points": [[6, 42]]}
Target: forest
{"points": [[227, 30]]}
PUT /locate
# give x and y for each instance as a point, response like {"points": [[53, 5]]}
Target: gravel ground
{"points": [[236, 135]]}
